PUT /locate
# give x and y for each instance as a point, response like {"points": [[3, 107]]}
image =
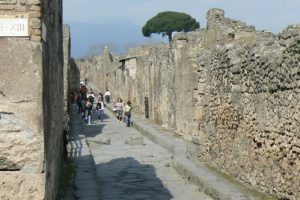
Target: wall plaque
{"points": [[14, 27], [8, 1]]}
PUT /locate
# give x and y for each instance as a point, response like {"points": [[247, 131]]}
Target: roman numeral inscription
{"points": [[13, 27], [8, 1]]}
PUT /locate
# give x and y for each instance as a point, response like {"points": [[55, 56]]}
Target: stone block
{"points": [[35, 23], [21, 8], [97, 141], [6, 7], [35, 8], [135, 140], [35, 38], [35, 14], [33, 2], [36, 32]]}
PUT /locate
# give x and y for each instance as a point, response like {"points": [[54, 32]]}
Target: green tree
{"points": [[167, 22]]}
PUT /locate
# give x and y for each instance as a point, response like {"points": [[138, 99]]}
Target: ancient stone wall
{"points": [[31, 100], [21, 115], [229, 88], [248, 103]]}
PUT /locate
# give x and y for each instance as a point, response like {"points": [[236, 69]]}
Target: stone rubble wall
{"points": [[31, 102], [229, 88], [248, 113]]}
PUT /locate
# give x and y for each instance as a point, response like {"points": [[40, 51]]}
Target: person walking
{"points": [[91, 96], [89, 107], [100, 95], [127, 110], [119, 105], [83, 101], [107, 96], [100, 108]]}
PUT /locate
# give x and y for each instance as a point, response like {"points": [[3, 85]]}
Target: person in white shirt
{"points": [[107, 96]]}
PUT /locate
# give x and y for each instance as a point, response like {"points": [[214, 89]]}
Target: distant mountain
{"points": [[85, 37]]}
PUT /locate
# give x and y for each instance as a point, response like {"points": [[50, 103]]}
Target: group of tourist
{"points": [[85, 100]]}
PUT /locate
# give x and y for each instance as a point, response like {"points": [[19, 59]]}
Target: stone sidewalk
{"points": [[209, 181], [85, 184], [114, 162]]}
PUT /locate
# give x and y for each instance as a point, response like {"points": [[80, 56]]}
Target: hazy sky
{"points": [[272, 15]]}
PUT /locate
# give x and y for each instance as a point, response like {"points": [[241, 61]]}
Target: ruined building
{"points": [[230, 89]]}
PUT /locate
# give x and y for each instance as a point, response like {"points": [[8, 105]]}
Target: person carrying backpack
{"points": [[91, 97]]}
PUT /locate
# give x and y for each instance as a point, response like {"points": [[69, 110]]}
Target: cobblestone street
{"points": [[113, 161]]}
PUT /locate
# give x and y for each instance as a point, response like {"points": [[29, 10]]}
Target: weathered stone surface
{"points": [[21, 114], [23, 101], [53, 95], [6, 164], [16, 185], [235, 88], [19, 145], [67, 58]]}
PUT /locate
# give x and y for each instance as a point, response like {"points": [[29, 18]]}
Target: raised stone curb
{"points": [[215, 186]]}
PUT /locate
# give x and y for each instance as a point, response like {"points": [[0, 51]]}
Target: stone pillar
{"points": [[67, 57], [53, 94]]}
